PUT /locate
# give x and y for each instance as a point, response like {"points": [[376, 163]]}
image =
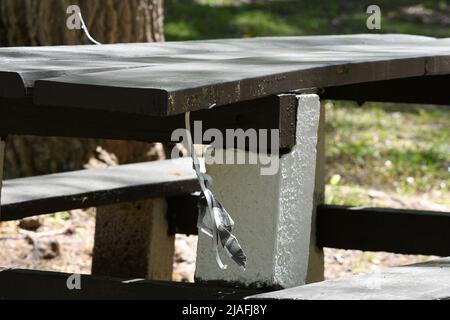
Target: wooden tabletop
{"points": [[161, 79]]}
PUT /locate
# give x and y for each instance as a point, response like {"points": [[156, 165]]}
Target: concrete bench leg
{"points": [[131, 240], [274, 214]]}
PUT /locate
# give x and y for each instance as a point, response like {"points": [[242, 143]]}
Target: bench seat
{"points": [[33, 284], [89, 188], [422, 281]]}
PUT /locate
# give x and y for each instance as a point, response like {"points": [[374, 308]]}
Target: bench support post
{"points": [[273, 214], [131, 240], [316, 263]]}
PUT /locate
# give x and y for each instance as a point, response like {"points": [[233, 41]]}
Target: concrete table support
{"points": [[274, 214]]}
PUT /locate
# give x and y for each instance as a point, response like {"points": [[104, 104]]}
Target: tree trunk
{"points": [[43, 22]]}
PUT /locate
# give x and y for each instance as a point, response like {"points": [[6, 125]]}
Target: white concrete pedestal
{"points": [[274, 214]]}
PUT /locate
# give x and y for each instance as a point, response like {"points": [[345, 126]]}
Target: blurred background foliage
{"points": [[207, 19]]}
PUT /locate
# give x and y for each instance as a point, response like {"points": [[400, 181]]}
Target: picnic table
{"points": [[142, 91]]}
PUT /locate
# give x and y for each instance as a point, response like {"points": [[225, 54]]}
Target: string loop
{"points": [[213, 219]]}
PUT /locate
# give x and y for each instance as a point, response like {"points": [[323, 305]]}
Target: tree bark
{"points": [[43, 22]]}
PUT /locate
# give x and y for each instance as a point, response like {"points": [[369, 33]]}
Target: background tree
{"points": [[43, 22]]}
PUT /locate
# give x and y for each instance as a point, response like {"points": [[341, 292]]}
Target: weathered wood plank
{"points": [[422, 281], [372, 229], [174, 89], [87, 188], [132, 240], [21, 84], [194, 75], [20, 67], [384, 229], [42, 285]]}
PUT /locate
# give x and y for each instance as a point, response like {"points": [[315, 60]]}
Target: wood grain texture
{"points": [[368, 229], [87, 188], [160, 79]]}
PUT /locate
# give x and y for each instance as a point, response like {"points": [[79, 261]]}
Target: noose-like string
{"points": [[221, 224], [203, 180]]}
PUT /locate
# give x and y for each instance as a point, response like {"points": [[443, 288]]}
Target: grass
{"points": [[400, 149], [380, 147]]}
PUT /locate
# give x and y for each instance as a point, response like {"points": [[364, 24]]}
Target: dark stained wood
{"points": [[384, 229], [88, 188], [422, 281], [20, 67], [11, 85], [21, 116], [43, 285], [370, 229], [171, 78], [423, 90], [182, 214]]}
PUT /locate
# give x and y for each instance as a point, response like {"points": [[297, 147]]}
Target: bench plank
{"points": [[236, 70], [31, 284], [21, 116], [177, 77], [422, 281], [419, 90], [87, 188], [404, 231], [384, 229]]}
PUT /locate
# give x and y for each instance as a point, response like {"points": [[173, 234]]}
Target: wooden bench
{"points": [[24, 197], [422, 281], [126, 185]]}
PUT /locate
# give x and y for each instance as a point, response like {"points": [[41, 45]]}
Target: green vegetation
{"points": [[401, 149], [379, 147], [207, 19]]}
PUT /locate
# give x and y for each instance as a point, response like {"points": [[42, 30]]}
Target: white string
{"points": [[202, 179], [86, 31]]}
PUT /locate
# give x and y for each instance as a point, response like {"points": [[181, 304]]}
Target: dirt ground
{"points": [[64, 242]]}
